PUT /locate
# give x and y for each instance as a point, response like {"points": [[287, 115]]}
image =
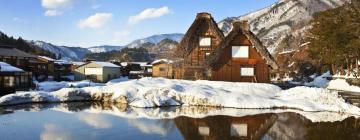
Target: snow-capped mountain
{"points": [[75, 53], [104, 48], [281, 26], [155, 39]]}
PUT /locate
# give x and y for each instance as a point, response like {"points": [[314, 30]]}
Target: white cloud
{"points": [[121, 37], [50, 13], [95, 21], [56, 4], [149, 13], [54, 7]]}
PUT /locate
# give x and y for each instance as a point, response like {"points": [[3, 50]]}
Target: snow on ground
{"points": [[341, 84], [155, 92], [319, 81], [53, 85], [114, 81]]}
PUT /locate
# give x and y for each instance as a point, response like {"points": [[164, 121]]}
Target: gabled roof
{"points": [[242, 27], [167, 61], [201, 18], [46, 58], [105, 64], [10, 51], [5, 67]]}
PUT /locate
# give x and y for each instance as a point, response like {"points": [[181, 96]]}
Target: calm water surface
{"points": [[73, 121]]}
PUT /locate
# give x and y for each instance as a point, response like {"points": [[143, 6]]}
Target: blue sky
{"points": [[115, 22]]}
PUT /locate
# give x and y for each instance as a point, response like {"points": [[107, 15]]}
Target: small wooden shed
{"points": [[97, 71], [241, 57], [162, 68]]}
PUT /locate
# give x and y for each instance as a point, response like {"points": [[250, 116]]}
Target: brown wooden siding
{"points": [[166, 73], [228, 68]]}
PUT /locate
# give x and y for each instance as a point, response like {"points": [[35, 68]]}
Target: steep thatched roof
{"points": [[242, 27], [201, 19]]}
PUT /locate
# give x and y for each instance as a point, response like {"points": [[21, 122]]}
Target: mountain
{"points": [[155, 39], [75, 53], [22, 45], [282, 25], [146, 51], [104, 48]]}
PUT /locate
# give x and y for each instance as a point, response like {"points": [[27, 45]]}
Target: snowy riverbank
{"points": [[124, 111], [155, 92]]}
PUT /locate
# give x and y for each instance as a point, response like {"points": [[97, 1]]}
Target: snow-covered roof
{"points": [[46, 58], [105, 64], [5, 67], [124, 64], [162, 61], [78, 63], [137, 72], [62, 62], [140, 63]]}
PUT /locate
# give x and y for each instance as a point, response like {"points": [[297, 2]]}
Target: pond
{"points": [[116, 121]]}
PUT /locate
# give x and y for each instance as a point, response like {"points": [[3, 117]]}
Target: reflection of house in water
{"points": [[225, 127]]}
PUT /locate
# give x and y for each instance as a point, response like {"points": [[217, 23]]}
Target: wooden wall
{"points": [[194, 63], [228, 68], [167, 73]]}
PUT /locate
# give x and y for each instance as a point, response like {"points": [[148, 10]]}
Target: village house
{"points": [[97, 71], [63, 70], [15, 57], [162, 68], [241, 57], [43, 68], [39, 67], [13, 79], [136, 70], [195, 48], [238, 57]]}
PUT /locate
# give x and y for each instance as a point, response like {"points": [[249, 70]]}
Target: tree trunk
{"points": [[357, 67]]}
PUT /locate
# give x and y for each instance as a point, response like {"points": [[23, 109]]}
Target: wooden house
{"points": [[136, 70], [16, 58], [97, 71], [13, 79], [201, 39], [63, 70], [208, 55], [241, 57], [43, 68], [163, 68]]}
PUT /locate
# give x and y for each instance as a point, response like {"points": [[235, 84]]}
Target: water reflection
{"points": [[225, 127], [117, 121]]}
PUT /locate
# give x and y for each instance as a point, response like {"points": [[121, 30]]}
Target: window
{"points": [[93, 71], [207, 54], [204, 130], [162, 69], [247, 71], [9, 81], [149, 70], [205, 41], [240, 51], [239, 130]]}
